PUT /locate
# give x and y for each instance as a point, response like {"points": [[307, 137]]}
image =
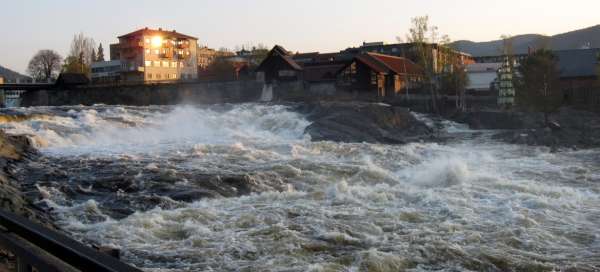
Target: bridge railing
{"points": [[40, 249]]}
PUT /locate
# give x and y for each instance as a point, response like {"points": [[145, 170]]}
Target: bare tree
{"points": [[81, 55], [44, 65], [423, 35]]}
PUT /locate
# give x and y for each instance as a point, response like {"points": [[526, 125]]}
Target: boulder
{"points": [[363, 122]]}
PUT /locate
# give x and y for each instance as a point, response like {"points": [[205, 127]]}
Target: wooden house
{"points": [[279, 66], [381, 74]]}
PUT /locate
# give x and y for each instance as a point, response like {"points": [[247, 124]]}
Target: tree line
{"points": [[46, 64]]}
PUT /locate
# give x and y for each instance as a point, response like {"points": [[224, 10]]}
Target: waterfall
{"points": [[267, 93]]}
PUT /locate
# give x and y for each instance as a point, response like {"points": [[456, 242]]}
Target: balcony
{"points": [[132, 44], [183, 45]]}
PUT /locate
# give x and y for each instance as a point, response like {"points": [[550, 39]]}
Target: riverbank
{"points": [[15, 153], [568, 128]]}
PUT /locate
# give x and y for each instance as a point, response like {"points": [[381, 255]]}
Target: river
{"points": [[112, 176]]}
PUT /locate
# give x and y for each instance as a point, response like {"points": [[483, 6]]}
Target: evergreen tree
{"points": [[100, 53], [93, 56], [538, 87]]}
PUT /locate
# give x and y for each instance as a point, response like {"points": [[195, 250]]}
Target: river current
{"points": [[471, 204]]}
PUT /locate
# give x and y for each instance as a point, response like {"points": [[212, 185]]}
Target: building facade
{"points": [[106, 71], [385, 75], [149, 55], [482, 77], [441, 57], [206, 56]]}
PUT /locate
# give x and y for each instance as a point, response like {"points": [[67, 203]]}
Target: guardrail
{"points": [[40, 249]]}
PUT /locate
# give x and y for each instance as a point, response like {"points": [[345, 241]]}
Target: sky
{"points": [[306, 26]]}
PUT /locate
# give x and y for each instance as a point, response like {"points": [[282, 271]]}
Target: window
{"points": [[174, 64], [158, 76], [147, 51], [165, 64], [181, 64], [148, 63], [147, 40], [149, 76], [174, 76], [156, 51], [156, 63], [373, 78]]}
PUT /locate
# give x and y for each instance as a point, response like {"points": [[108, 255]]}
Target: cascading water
{"points": [[116, 176], [267, 93]]}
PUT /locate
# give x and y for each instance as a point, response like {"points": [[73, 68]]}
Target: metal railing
{"points": [[41, 249]]}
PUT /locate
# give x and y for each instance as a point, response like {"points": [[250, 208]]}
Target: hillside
{"points": [[570, 40], [11, 76]]}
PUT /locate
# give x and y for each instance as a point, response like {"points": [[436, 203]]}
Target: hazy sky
{"points": [[307, 25]]}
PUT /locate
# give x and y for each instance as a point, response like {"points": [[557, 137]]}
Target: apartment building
{"points": [[149, 55]]}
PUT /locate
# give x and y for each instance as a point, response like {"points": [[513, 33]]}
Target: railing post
{"points": [[23, 266]]}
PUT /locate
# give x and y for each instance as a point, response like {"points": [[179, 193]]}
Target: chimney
{"points": [[160, 29]]}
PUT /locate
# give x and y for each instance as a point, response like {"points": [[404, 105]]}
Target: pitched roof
{"points": [[148, 31], [284, 54], [386, 64], [578, 62]]}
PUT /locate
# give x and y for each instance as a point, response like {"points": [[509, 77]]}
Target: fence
{"points": [[41, 249]]}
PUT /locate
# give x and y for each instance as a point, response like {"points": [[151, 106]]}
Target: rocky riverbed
{"points": [[303, 187]]}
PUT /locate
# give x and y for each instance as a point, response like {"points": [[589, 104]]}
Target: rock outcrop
{"points": [[364, 122], [567, 128], [15, 150]]}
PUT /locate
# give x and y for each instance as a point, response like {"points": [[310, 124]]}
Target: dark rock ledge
{"points": [[364, 122], [15, 152]]}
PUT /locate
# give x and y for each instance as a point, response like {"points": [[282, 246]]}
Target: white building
{"points": [[106, 71], [482, 76]]}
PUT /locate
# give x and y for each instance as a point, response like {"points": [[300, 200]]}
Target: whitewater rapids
{"points": [[468, 205]]}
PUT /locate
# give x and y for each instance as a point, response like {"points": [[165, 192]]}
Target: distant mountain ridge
{"points": [[587, 37], [11, 76]]}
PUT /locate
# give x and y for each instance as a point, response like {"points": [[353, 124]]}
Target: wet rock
{"points": [[500, 119], [567, 128], [191, 195], [363, 122], [15, 151]]}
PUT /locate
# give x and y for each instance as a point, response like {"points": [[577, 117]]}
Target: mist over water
{"points": [[468, 205]]}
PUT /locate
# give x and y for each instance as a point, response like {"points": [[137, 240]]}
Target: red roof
{"points": [[386, 64], [148, 31]]}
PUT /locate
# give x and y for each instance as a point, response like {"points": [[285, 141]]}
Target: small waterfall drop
{"points": [[267, 93]]}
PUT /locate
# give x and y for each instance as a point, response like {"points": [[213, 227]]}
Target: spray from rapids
{"points": [[468, 205]]}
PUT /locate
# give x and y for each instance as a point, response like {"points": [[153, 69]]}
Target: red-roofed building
{"points": [[386, 75]]}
